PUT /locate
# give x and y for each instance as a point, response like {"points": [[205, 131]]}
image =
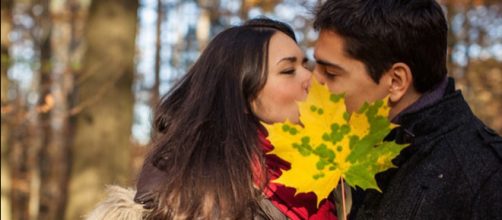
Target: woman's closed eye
{"points": [[288, 71]]}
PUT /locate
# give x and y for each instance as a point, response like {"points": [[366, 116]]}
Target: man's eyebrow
{"points": [[329, 64]]}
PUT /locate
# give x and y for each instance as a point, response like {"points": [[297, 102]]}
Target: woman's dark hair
{"points": [[208, 135], [380, 33]]}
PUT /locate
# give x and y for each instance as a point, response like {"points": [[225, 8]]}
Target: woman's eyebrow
{"points": [[293, 59], [290, 59]]}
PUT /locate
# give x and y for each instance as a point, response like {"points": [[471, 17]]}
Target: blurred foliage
{"points": [[42, 63]]}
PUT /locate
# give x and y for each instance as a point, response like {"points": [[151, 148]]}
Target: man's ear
{"points": [[401, 80]]}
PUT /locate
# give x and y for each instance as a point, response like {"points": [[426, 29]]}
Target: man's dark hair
{"points": [[383, 32]]}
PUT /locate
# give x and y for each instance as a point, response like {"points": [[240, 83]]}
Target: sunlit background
{"points": [[80, 77]]}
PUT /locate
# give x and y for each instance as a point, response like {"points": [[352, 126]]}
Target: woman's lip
{"points": [[305, 95]]}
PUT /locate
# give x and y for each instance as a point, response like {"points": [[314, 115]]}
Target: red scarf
{"points": [[299, 207]]}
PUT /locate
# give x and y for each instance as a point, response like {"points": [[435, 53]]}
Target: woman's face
{"points": [[287, 83]]}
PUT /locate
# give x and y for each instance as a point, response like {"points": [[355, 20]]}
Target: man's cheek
{"points": [[337, 88], [332, 87]]}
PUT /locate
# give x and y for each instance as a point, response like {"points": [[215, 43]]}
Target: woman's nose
{"points": [[307, 77]]}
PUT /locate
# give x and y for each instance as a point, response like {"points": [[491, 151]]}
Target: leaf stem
{"points": [[344, 212]]}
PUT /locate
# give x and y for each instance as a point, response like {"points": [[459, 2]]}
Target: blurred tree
{"points": [[45, 104], [38, 143], [25, 140], [101, 147], [61, 45], [267, 6], [155, 96], [6, 24], [485, 80], [208, 18], [470, 22]]}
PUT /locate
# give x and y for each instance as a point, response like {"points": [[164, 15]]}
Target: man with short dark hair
{"points": [[372, 49]]}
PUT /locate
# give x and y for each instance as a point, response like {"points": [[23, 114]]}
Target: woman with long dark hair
{"points": [[209, 159]]}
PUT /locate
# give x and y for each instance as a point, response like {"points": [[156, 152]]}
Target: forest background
{"points": [[79, 79]]}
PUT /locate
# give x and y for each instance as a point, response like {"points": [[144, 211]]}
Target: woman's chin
{"points": [[294, 120]]}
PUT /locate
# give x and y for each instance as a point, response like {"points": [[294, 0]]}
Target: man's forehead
{"points": [[320, 52], [327, 57]]}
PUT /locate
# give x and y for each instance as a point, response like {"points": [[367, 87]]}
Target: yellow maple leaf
{"points": [[331, 144]]}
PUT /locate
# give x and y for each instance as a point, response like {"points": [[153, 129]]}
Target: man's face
{"points": [[343, 74]]}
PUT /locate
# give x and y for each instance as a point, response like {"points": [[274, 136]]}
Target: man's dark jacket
{"points": [[451, 170]]}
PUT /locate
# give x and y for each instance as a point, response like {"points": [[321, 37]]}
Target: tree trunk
{"points": [[204, 22], [6, 24], [101, 148], [26, 138], [44, 109], [452, 39], [158, 47], [54, 163], [467, 28]]}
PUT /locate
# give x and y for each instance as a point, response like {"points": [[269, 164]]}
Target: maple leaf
{"points": [[332, 144]]}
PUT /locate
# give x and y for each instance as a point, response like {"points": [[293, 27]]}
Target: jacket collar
{"points": [[427, 123], [425, 100]]}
